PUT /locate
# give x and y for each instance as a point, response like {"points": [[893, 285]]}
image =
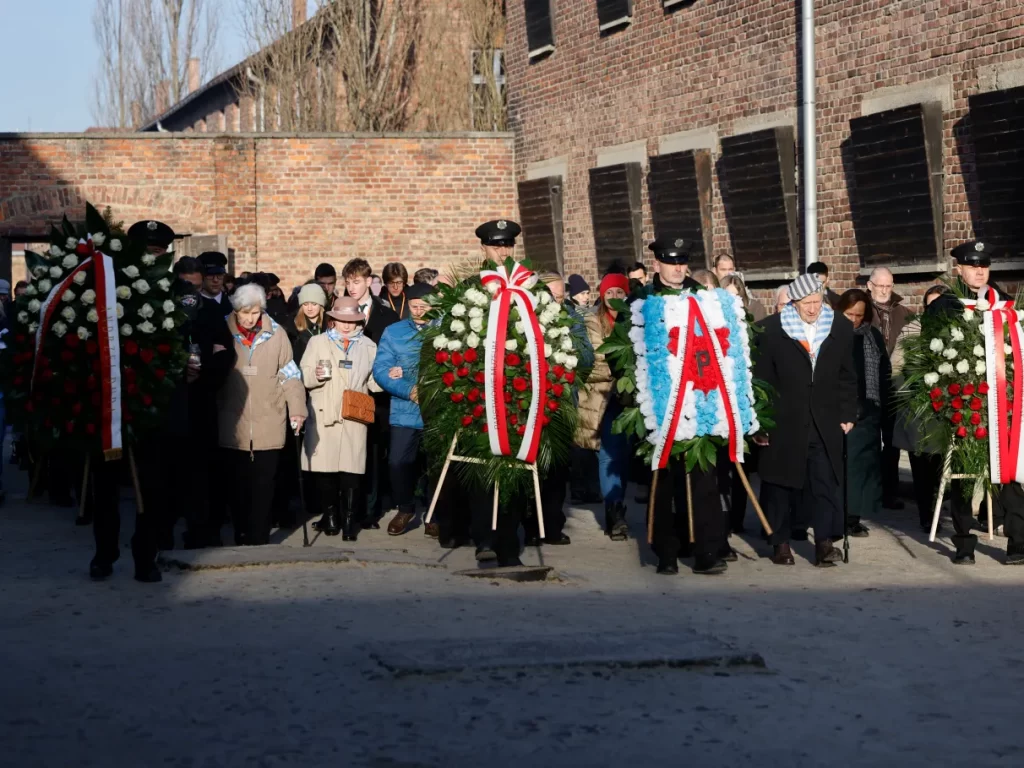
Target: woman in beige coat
{"points": [[253, 406], [598, 409], [334, 450]]}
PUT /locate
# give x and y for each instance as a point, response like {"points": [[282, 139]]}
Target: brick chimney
{"points": [[193, 75], [136, 114], [163, 95], [298, 13]]}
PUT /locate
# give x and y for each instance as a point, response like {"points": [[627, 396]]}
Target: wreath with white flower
{"points": [[453, 387], [57, 363]]}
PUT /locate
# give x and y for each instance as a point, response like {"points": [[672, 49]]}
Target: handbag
{"points": [[357, 406]]}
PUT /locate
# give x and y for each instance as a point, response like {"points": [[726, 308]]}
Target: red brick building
{"points": [[633, 117]]}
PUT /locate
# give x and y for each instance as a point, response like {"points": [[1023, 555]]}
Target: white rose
{"points": [[169, 307], [68, 314], [92, 316], [124, 292], [39, 271], [59, 329], [168, 323], [68, 296], [936, 345], [126, 330], [98, 239], [511, 345], [56, 252], [141, 286], [23, 317], [983, 305], [131, 271], [119, 309], [31, 290], [949, 353], [472, 341], [146, 327], [45, 286], [79, 278], [1007, 349], [145, 311], [148, 259], [458, 310], [979, 351], [476, 312], [566, 345], [70, 262], [552, 332], [492, 287], [549, 351], [33, 306], [957, 334], [571, 361], [83, 333], [71, 243], [979, 367], [440, 342], [931, 379], [455, 345], [56, 272], [565, 330], [33, 327], [558, 357], [968, 314], [89, 296], [963, 366], [946, 368], [163, 284], [458, 326], [544, 297], [476, 324], [115, 245]]}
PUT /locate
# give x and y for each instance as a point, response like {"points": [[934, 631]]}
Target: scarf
{"points": [[249, 335], [872, 364], [342, 341], [794, 328]]}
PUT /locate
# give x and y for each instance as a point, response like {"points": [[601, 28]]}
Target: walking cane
{"points": [[846, 509], [302, 492]]}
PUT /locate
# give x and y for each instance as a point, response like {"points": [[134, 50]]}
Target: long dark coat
{"points": [[828, 396]]}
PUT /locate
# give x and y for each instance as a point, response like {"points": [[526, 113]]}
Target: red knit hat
{"points": [[613, 280]]}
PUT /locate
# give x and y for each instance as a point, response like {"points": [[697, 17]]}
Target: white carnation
{"points": [[124, 292], [440, 342], [146, 327], [983, 305], [33, 327], [168, 323], [492, 287], [71, 243], [59, 329], [68, 296], [68, 314], [115, 245], [83, 333], [566, 345], [1007, 349], [148, 259], [473, 296], [979, 351], [92, 316], [559, 357], [458, 326], [956, 333], [31, 290], [571, 361], [931, 379], [56, 272], [963, 366], [89, 296], [131, 271], [23, 316], [163, 284], [949, 353], [119, 309], [169, 307], [472, 341], [968, 314], [476, 324], [549, 351], [936, 345], [979, 367], [459, 310], [79, 278], [552, 332], [145, 311], [544, 297], [455, 345], [126, 330], [566, 330], [39, 271], [476, 312], [511, 345], [56, 252], [34, 305], [98, 239], [45, 286], [70, 261], [946, 368], [141, 286]]}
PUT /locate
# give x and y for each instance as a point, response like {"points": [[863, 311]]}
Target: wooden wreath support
{"points": [[494, 515], [946, 477], [753, 498]]}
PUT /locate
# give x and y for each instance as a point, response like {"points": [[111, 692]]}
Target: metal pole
{"points": [[809, 137]]}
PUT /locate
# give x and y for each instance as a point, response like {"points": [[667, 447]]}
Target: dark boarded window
{"points": [[540, 33], [896, 192], [679, 187], [997, 128], [540, 213], [614, 14], [615, 210], [757, 178]]}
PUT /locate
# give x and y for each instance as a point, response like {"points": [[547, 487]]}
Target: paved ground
{"points": [[897, 659]]}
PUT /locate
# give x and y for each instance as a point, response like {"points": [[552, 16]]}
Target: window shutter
{"points": [[612, 14], [997, 129], [896, 195], [540, 213], [616, 213], [757, 176], [540, 33], [679, 187]]}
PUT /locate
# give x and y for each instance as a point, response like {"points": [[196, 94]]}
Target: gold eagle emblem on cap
{"points": [[680, 242], [979, 246]]}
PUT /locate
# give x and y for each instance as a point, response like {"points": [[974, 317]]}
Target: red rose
{"points": [[96, 366], [483, 428], [547, 385], [552, 405], [146, 355], [448, 379], [163, 349], [559, 371], [441, 357], [519, 384], [983, 388], [937, 405], [47, 423], [513, 419], [159, 373], [520, 429], [975, 419], [91, 382], [19, 380], [980, 433], [129, 373], [954, 389], [147, 400], [968, 390], [957, 417], [956, 403], [20, 338], [529, 367], [470, 356], [936, 393], [55, 402], [131, 388], [544, 420], [961, 432], [457, 397], [975, 403], [479, 377], [557, 390], [473, 395], [90, 429], [463, 371], [95, 399], [128, 417], [467, 420], [71, 340], [456, 359], [478, 411], [512, 359], [91, 347], [69, 387], [67, 355], [76, 408], [508, 397], [69, 427], [131, 348], [30, 406]]}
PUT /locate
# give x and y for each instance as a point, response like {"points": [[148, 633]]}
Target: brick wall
{"points": [[729, 66], [285, 203]]}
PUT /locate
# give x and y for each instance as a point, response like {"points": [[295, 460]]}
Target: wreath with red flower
{"points": [[53, 364]]}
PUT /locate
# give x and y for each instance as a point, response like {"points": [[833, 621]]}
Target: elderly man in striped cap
{"points": [[806, 354]]}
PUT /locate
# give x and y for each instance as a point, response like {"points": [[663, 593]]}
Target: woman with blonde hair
{"points": [[309, 318], [734, 284], [706, 278]]}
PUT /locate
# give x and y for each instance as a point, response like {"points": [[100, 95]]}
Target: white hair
{"points": [[248, 296], [782, 290], [879, 272]]}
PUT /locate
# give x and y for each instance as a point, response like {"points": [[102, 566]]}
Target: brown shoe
{"points": [[399, 523], [431, 530], [783, 555], [826, 555]]}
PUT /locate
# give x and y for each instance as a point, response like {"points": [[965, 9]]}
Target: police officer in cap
{"points": [[157, 236], [215, 301], [671, 535], [498, 239], [973, 262]]}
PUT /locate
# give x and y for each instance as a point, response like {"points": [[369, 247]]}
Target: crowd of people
{"points": [[307, 407]]}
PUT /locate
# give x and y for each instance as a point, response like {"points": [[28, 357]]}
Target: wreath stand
{"points": [[947, 476], [494, 515]]}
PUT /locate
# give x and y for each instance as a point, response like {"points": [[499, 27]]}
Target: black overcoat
{"points": [[828, 396]]}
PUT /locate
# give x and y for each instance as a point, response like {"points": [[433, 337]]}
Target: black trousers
{"points": [[403, 463], [328, 487], [462, 512], [890, 472], [671, 535], [552, 499], [1007, 503], [729, 480], [926, 469], [253, 476], [376, 483], [583, 478], [818, 501]]}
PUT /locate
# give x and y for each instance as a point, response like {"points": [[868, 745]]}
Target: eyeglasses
{"points": [[396, 282], [881, 285]]}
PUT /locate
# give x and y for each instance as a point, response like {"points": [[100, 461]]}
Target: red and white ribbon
{"points": [[106, 336], [508, 288]]}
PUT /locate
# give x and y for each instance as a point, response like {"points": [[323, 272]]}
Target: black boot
{"points": [[349, 524], [330, 523], [615, 521]]}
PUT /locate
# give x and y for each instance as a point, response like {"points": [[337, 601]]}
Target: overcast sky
{"points": [[49, 60]]}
